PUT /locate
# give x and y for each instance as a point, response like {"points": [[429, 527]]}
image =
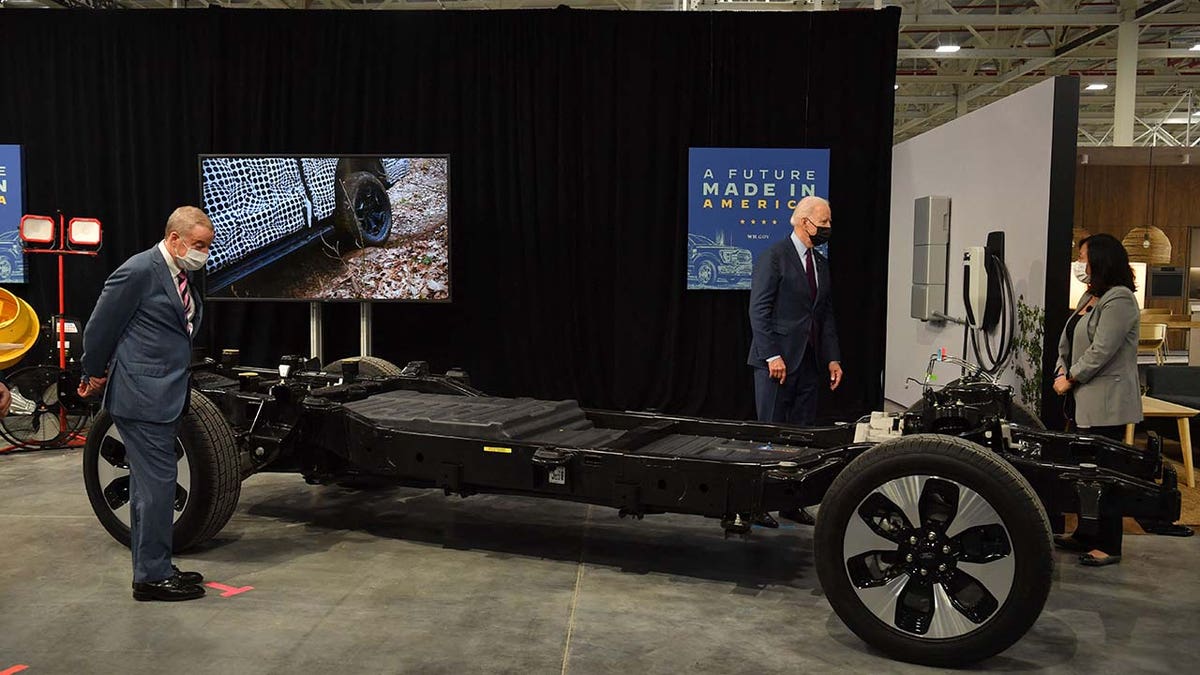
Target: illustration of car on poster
{"points": [[12, 255], [12, 258], [264, 208], [715, 265]]}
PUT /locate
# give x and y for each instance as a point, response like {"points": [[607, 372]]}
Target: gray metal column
{"points": [[364, 327], [316, 332], [1127, 61]]}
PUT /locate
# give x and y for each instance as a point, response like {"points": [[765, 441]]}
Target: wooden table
{"points": [[1180, 321], [1153, 407], [1172, 320]]}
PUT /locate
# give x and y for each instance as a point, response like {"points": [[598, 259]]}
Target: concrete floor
{"points": [[409, 581]]}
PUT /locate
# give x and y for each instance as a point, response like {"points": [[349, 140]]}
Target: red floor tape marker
{"points": [[14, 670], [227, 592]]}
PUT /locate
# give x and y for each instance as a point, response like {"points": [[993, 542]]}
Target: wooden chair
{"points": [[1152, 339]]}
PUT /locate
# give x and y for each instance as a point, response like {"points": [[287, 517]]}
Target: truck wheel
{"points": [[934, 550], [368, 366], [364, 212], [1026, 417], [706, 273], [209, 481]]}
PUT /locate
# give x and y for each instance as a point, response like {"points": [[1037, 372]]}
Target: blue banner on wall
{"points": [[740, 201], [12, 256]]}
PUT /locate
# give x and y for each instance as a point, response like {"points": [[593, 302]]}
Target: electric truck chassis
{"points": [[933, 546]]}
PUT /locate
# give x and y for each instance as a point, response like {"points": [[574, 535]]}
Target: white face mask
{"points": [[1079, 269], [192, 260]]}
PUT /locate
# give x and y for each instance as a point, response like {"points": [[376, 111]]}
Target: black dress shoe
{"points": [[798, 515], [167, 590], [765, 520], [188, 577], [1165, 529]]}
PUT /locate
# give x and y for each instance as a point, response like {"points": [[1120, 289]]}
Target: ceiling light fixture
{"points": [[947, 49], [1195, 48], [1096, 86]]}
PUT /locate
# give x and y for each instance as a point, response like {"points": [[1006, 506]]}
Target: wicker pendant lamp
{"points": [[1149, 245]]}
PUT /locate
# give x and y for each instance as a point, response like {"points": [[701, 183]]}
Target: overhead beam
{"points": [[1043, 53], [1143, 101], [1143, 13], [1147, 10], [983, 78], [962, 20]]}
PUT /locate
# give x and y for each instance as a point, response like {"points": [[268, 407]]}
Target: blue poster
{"points": [[12, 256], [740, 201]]}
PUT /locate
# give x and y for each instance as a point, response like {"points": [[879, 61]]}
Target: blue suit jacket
{"points": [[138, 334], [782, 309]]}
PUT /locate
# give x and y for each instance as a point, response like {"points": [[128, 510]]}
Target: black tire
{"points": [[364, 211], [205, 443], [937, 468], [1024, 416], [368, 366], [706, 272]]}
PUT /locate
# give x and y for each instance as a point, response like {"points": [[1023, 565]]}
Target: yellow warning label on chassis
{"points": [[503, 451]]}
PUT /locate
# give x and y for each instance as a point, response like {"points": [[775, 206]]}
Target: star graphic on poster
{"points": [[743, 221], [774, 222]]}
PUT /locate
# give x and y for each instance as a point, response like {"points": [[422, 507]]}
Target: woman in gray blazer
{"points": [[1097, 367]]}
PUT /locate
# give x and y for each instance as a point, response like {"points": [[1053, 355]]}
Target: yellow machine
{"points": [[19, 329]]}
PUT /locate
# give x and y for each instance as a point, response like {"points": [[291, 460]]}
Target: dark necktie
{"points": [[810, 270]]}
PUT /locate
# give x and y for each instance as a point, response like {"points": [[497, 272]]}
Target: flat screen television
{"points": [[328, 227], [1166, 282]]}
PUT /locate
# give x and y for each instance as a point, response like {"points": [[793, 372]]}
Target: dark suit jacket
{"points": [[138, 333], [782, 308]]}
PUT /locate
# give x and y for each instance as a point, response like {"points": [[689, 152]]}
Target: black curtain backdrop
{"points": [[568, 133]]}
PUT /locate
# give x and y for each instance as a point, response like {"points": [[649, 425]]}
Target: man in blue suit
{"points": [[795, 344], [138, 342]]}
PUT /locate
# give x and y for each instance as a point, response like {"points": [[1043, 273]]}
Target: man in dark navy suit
{"points": [[138, 342], [795, 345]]}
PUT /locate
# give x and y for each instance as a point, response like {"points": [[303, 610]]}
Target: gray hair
{"points": [[806, 205], [184, 219]]}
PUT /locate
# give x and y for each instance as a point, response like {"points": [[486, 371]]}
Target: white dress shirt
{"points": [[174, 269]]}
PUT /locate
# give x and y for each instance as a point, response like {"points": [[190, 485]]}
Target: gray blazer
{"points": [[1104, 366], [138, 334]]}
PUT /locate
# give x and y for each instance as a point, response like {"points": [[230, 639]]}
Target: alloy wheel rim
{"points": [[929, 557], [112, 468], [371, 212]]}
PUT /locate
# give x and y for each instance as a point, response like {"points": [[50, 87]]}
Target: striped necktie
{"points": [[183, 293]]}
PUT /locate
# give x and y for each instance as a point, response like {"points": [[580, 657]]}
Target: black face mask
{"points": [[821, 237]]}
